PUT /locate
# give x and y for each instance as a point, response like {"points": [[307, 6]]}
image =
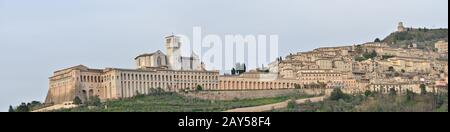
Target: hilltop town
{"points": [[382, 66]]}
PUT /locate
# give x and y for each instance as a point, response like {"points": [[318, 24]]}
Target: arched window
{"points": [[158, 61]]}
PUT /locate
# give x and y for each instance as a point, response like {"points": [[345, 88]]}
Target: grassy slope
{"points": [[177, 103]]}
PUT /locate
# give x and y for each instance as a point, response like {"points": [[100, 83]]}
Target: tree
{"points": [[377, 40], [423, 89], [368, 93], [233, 71], [297, 86], [391, 69], [385, 57], [199, 88], [292, 105], [35, 103], [11, 109], [322, 85], [94, 101], [373, 54], [23, 108], [160, 91], [139, 94], [77, 101], [392, 92], [359, 59], [366, 55], [409, 95], [337, 94], [396, 74], [245, 68], [403, 71], [359, 49], [370, 55]]}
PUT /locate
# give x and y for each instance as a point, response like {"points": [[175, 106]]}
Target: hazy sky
{"points": [[38, 37]]}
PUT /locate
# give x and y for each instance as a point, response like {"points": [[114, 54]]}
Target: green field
{"points": [[173, 102]]}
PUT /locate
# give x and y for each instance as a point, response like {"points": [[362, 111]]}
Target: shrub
{"points": [[77, 101], [337, 94]]}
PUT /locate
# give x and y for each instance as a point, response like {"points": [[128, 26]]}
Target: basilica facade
{"points": [[172, 61], [154, 71]]}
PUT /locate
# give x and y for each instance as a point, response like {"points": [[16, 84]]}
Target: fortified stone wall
{"points": [[252, 94]]}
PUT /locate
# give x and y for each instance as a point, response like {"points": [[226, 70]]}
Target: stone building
{"points": [[152, 60], [407, 64], [114, 83], [175, 60], [401, 27], [156, 70], [400, 88], [331, 66], [65, 84], [255, 81], [366, 66]]}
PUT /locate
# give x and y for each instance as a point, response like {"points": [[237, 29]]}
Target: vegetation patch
{"points": [[173, 102], [375, 102]]}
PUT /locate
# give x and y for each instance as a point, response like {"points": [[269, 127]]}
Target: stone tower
{"points": [[401, 27], [173, 46]]}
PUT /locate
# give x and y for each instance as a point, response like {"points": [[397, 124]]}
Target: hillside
{"points": [[374, 102], [424, 38], [172, 102]]}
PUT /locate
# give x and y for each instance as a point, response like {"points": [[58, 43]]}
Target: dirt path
{"points": [[270, 107]]}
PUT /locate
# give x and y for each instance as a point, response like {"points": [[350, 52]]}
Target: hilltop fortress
{"points": [[373, 66]]}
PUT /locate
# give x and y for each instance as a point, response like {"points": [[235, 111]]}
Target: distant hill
{"points": [[424, 38]]}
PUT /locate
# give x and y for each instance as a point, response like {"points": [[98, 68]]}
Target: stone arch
{"points": [[91, 92], [84, 94]]}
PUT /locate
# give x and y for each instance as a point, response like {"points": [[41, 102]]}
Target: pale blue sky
{"points": [[38, 37]]}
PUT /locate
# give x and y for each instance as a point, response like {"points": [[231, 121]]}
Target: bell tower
{"points": [[173, 45], [401, 27]]}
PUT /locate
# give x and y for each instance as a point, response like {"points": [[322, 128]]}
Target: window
{"points": [[158, 61]]}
